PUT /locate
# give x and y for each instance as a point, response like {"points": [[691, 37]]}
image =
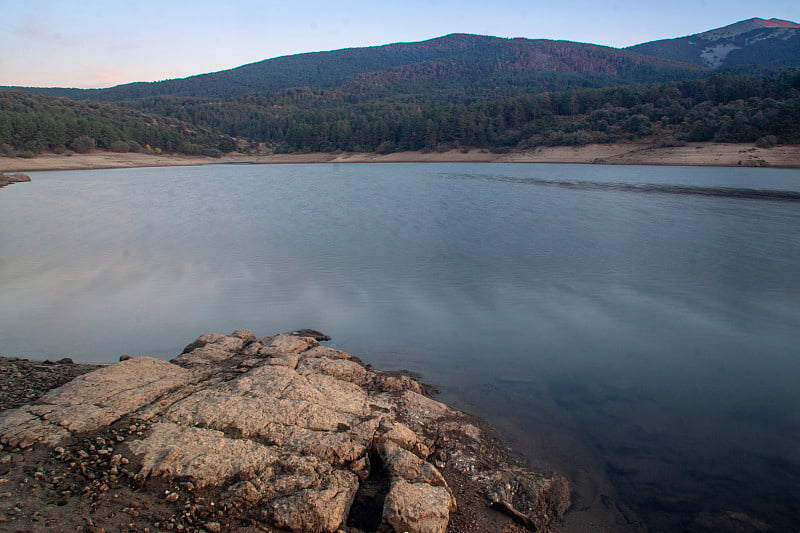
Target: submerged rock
{"points": [[284, 433], [8, 179]]}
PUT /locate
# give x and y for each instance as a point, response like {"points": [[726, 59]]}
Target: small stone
{"points": [[171, 497], [213, 527]]}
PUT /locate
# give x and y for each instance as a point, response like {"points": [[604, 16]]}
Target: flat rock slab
{"points": [[277, 433]]}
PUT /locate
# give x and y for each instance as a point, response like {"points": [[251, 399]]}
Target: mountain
{"points": [[454, 91], [470, 64], [772, 43]]}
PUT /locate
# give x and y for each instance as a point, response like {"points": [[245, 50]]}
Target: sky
{"points": [[90, 43]]}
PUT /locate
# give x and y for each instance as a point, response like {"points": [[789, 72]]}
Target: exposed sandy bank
{"points": [[695, 154]]}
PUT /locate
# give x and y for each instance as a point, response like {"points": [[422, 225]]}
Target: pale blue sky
{"points": [[90, 43]]}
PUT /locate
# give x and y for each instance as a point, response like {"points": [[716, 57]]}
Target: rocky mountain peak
{"points": [[745, 26]]}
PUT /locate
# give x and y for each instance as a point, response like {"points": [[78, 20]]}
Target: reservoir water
{"points": [[637, 328]]}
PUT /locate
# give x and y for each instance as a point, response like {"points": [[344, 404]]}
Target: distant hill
{"points": [[771, 43], [456, 91], [468, 64]]}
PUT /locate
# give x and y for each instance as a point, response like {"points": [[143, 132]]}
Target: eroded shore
{"points": [[693, 154], [240, 433]]}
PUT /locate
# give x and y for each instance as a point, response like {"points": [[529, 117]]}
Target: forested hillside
{"points": [[30, 124], [466, 65], [724, 107]]}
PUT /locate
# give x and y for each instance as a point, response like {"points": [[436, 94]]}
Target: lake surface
{"points": [[639, 322]]}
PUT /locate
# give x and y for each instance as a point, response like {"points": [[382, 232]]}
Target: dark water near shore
{"points": [[645, 321]]}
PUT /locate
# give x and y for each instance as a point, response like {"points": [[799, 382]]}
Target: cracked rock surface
{"points": [[276, 433]]}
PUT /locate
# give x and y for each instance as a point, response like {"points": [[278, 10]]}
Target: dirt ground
{"points": [[693, 154]]}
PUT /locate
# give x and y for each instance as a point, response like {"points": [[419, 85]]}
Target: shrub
{"points": [[120, 146], [135, 147], [386, 147], [83, 144], [59, 149], [227, 144], [499, 149], [26, 154], [212, 152], [669, 141], [767, 141], [6, 150]]}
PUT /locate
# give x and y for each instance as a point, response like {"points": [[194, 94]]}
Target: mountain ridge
{"points": [[494, 60], [756, 41]]}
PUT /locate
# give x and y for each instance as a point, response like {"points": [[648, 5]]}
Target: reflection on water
{"points": [[644, 320]]}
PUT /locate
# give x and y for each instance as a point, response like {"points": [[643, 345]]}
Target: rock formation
{"points": [[8, 179], [276, 432]]}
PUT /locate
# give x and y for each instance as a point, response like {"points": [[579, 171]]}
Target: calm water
{"points": [[643, 322]]}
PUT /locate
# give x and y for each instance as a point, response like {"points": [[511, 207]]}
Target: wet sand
{"points": [[695, 154]]}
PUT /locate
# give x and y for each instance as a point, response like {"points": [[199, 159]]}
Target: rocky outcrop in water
{"points": [[8, 179], [275, 432]]}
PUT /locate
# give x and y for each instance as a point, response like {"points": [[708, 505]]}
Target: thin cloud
{"points": [[31, 29]]}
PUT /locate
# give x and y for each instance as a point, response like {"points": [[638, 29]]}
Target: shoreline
{"points": [[26, 381], [447, 462], [693, 154]]}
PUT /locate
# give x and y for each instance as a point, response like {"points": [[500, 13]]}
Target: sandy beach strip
{"points": [[694, 154]]}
